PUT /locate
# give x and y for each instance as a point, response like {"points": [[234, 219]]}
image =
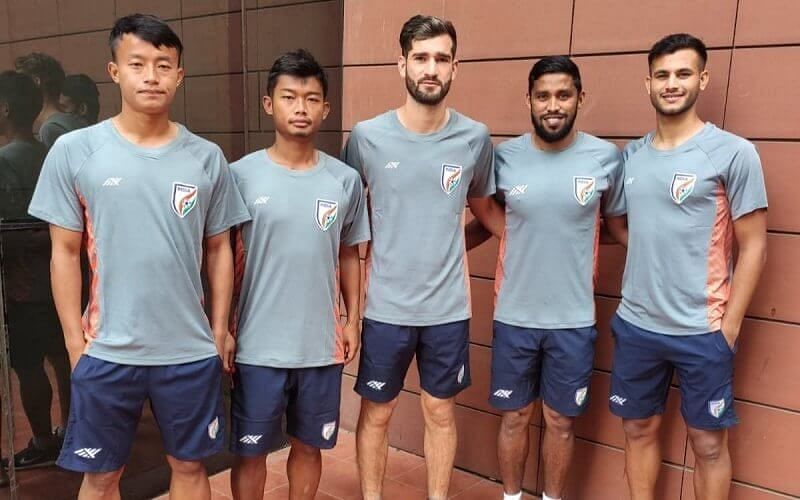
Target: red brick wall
{"points": [[755, 65]]}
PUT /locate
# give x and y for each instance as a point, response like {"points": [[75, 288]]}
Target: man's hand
{"points": [[730, 330], [351, 338], [226, 348]]}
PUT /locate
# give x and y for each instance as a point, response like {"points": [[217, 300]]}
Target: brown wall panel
{"points": [[206, 111], [213, 44], [254, 107], [610, 266], [779, 161], [191, 8], [32, 18], [778, 292], [767, 22], [232, 144], [483, 258], [621, 25], [50, 46], [109, 100], [85, 15], [480, 326], [5, 57], [87, 53], [604, 346], [764, 100], [4, 35], [165, 9], [369, 91]]}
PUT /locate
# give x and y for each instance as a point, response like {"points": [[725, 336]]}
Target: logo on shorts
{"points": [[618, 400], [90, 453], [518, 190], [451, 177], [184, 198], [715, 408], [580, 396], [213, 428], [583, 189], [461, 374], [251, 438], [682, 186], [326, 213], [503, 393], [328, 430], [374, 384]]}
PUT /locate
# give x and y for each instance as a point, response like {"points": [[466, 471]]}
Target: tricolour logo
{"points": [[583, 189], [328, 430], [326, 213], [184, 198], [580, 396], [682, 186], [715, 408], [451, 177]]}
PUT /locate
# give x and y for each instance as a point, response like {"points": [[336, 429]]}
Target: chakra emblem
{"points": [[583, 189], [451, 177], [682, 186], [184, 198], [326, 213]]}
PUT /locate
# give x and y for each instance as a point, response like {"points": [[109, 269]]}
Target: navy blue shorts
{"points": [[553, 363], [106, 405], [643, 365], [309, 397], [387, 350]]}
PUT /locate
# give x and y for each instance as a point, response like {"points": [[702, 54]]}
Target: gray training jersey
{"points": [[287, 259], [144, 213], [681, 206], [59, 124], [20, 163], [417, 271], [547, 264]]}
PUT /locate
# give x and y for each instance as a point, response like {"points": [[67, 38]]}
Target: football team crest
{"points": [[326, 213], [328, 430], [682, 186], [580, 396], [583, 189], [715, 408], [184, 198], [451, 177]]}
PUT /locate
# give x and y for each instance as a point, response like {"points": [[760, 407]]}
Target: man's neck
{"points": [[144, 129], [674, 130], [422, 118], [554, 147], [293, 153], [19, 136], [49, 108]]}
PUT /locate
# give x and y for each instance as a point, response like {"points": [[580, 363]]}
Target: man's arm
{"points": [[490, 214], [751, 238], [350, 283], [219, 262], [615, 230], [65, 279]]}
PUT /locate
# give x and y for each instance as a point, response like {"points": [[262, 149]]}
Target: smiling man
{"points": [[420, 163], [146, 196], [691, 191]]}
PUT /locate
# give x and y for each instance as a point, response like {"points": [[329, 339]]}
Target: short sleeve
{"points": [[744, 182], [227, 208], [355, 229], [351, 154], [483, 182], [614, 199], [56, 198]]}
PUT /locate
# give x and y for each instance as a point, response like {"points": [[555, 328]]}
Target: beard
{"points": [[424, 98], [551, 136], [691, 99]]}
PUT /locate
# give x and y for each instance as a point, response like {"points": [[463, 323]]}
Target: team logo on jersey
{"points": [[580, 396], [715, 408], [451, 177], [328, 430], [184, 198], [326, 213], [583, 189], [213, 428], [682, 186]]}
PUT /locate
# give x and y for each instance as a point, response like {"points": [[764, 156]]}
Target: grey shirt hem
{"points": [[150, 361], [54, 220], [660, 329], [546, 326], [416, 321], [274, 363]]}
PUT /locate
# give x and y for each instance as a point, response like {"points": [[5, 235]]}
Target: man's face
{"points": [[297, 106], [148, 76], [554, 103], [69, 105], [675, 82], [429, 69]]}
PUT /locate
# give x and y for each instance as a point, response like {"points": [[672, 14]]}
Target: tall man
{"points": [[146, 196], [420, 163], [552, 187], [309, 215], [691, 190]]}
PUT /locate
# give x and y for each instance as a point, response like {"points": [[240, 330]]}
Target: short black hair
{"points": [[82, 89], [149, 28], [555, 64], [422, 27], [298, 63], [24, 100], [675, 42], [46, 69]]}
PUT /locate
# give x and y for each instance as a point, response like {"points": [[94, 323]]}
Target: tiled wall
{"points": [[754, 66]]}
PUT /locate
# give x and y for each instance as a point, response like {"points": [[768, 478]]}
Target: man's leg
{"points": [[372, 445], [557, 446], [440, 441], [248, 477], [189, 480], [713, 471], [512, 447], [642, 456], [100, 486], [304, 469]]}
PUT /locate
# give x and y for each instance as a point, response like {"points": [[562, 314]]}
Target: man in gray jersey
{"points": [[691, 189], [309, 215], [420, 163], [147, 197], [552, 188]]}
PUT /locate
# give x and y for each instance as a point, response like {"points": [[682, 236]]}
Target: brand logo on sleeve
{"points": [[328, 430], [580, 396], [682, 186], [583, 189], [716, 408], [451, 177], [518, 190], [112, 182], [326, 213], [261, 200], [392, 164], [184, 198]]}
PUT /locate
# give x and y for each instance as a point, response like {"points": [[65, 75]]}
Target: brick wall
{"points": [[754, 54]]}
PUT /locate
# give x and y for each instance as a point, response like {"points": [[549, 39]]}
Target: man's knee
{"points": [[105, 482], [377, 414], [708, 446], [516, 421], [305, 451], [438, 412], [561, 425], [641, 429], [186, 467]]}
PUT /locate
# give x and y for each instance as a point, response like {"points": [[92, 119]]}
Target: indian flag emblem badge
{"points": [[583, 189], [184, 198], [682, 186], [451, 177], [326, 213]]}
